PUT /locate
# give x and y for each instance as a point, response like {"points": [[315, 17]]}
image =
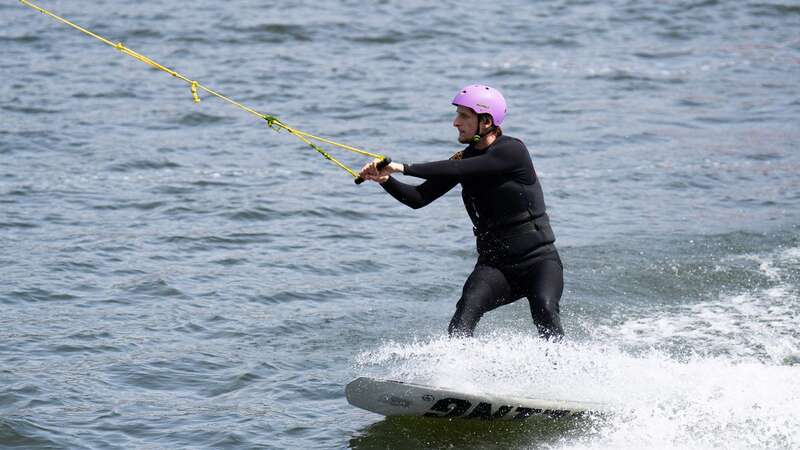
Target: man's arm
{"points": [[418, 196], [500, 159]]}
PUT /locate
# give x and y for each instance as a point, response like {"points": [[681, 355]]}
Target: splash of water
{"points": [[731, 383], [656, 401]]}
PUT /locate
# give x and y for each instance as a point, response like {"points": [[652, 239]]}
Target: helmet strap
{"points": [[478, 135]]}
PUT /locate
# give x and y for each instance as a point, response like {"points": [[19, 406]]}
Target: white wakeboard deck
{"points": [[396, 398]]}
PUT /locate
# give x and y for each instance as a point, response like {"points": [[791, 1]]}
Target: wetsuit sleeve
{"points": [[500, 159], [418, 196]]}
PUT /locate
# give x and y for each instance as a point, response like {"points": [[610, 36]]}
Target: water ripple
{"points": [[143, 164], [270, 33], [176, 277]]}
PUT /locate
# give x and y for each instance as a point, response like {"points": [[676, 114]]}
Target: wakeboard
{"points": [[396, 398]]}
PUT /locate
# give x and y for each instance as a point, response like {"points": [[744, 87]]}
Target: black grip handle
{"points": [[380, 166]]}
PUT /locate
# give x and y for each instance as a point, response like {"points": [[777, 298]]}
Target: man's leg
{"points": [[485, 289], [546, 284]]}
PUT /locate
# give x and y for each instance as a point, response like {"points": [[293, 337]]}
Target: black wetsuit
{"points": [[516, 254]]}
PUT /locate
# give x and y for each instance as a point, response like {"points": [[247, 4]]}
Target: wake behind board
{"points": [[395, 398]]}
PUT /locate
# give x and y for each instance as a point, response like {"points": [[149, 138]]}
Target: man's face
{"points": [[466, 122]]}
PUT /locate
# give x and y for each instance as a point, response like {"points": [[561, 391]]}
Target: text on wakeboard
{"points": [[456, 407]]}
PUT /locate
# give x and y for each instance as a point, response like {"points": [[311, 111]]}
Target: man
{"points": [[501, 192]]}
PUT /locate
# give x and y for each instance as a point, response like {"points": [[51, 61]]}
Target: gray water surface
{"points": [[179, 276]]}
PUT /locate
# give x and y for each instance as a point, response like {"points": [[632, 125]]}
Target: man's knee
{"points": [[545, 308], [469, 311], [547, 318]]}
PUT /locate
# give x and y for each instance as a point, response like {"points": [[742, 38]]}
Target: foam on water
{"points": [[758, 325], [657, 401], [729, 384]]}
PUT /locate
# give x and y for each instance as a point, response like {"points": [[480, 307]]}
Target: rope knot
{"points": [[194, 92], [272, 121]]}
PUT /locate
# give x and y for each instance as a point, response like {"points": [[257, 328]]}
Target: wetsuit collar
{"points": [[474, 145]]}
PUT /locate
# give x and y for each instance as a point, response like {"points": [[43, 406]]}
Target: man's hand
{"points": [[370, 171]]}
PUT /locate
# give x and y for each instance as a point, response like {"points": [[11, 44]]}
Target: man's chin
{"points": [[464, 139]]}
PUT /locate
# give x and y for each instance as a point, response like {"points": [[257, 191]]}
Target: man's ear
{"points": [[486, 121]]}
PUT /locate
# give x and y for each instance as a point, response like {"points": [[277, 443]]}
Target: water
{"points": [[178, 276]]}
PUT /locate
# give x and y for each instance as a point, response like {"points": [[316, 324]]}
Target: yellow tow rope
{"points": [[272, 121]]}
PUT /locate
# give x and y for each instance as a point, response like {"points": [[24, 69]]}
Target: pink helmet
{"points": [[483, 100]]}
